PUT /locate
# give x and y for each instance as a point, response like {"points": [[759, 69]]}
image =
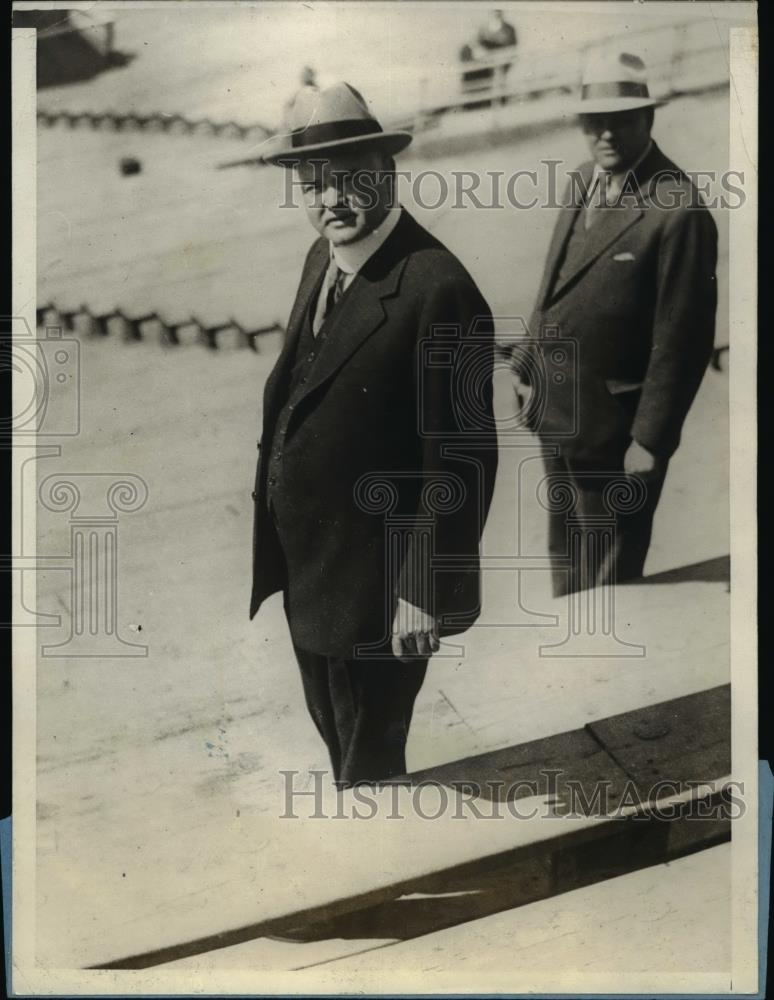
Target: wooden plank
{"points": [[562, 846], [645, 752], [553, 857], [139, 815], [440, 930], [684, 740], [501, 690], [287, 954], [676, 918], [259, 874], [568, 767]]}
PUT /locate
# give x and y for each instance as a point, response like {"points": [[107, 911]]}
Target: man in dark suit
{"points": [[624, 324], [376, 466]]}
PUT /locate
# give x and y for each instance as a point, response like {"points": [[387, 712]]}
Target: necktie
{"points": [[598, 199], [334, 282]]}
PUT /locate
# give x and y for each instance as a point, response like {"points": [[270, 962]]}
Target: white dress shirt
{"points": [[613, 183], [352, 257]]}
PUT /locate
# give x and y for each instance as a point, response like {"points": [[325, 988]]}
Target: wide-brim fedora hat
{"points": [[614, 81], [331, 120]]}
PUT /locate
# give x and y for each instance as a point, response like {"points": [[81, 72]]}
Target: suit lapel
{"points": [[361, 310], [610, 226], [561, 234], [567, 216], [310, 279], [612, 223]]}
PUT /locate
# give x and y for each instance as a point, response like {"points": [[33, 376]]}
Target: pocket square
{"points": [[623, 256]]}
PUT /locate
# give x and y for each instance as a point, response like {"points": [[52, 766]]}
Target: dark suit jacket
{"points": [[388, 399], [639, 314]]}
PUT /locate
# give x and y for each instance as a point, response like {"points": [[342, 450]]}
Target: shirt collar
{"points": [[351, 257], [616, 180]]}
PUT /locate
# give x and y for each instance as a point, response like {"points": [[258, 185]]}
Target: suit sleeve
{"points": [[683, 329], [457, 446]]}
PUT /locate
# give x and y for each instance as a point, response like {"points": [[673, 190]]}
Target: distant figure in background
{"points": [[496, 33], [357, 412], [308, 89], [630, 279]]}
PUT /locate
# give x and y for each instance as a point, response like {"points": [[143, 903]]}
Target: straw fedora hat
{"points": [[614, 82], [336, 118]]}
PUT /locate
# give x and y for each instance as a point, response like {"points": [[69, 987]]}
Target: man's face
{"points": [[618, 138], [346, 196]]}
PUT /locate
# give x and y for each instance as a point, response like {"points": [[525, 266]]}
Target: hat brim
{"points": [[287, 156], [609, 105]]}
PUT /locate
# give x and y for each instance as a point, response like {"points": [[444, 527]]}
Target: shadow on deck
{"points": [[716, 570]]}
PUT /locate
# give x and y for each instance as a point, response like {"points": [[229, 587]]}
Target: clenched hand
{"points": [[414, 632], [638, 461]]}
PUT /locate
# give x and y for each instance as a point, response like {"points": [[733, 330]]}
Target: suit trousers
{"points": [[588, 545], [362, 710]]}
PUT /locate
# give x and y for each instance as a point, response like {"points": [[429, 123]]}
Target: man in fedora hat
{"points": [[630, 281], [376, 463]]}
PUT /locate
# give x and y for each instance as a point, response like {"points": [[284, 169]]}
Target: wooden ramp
{"points": [[158, 786], [564, 943], [627, 792], [641, 928]]}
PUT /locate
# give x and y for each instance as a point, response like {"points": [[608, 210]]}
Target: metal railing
{"points": [[157, 326], [156, 122], [684, 63]]}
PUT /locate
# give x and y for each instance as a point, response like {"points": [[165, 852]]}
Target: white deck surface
{"points": [[158, 781], [641, 924]]}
